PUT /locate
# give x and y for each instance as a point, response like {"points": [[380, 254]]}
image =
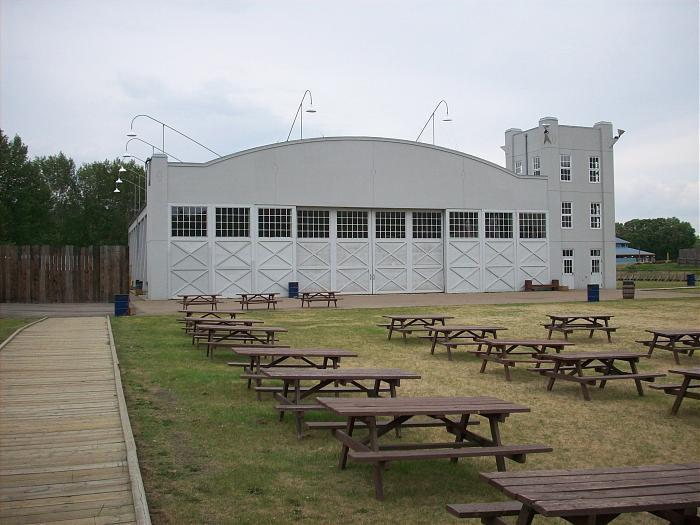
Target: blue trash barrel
{"points": [[690, 279], [293, 288], [121, 304], [593, 293]]}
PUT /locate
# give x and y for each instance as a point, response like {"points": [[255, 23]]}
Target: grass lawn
{"points": [[211, 453], [8, 326]]}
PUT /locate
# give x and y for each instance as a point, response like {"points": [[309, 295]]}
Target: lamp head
{"points": [[311, 110], [122, 170], [447, 119], [116, 190], [131, 133], [119, 180]]}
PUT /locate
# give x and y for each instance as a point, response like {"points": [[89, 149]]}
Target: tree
{"points": [[660, 236]]}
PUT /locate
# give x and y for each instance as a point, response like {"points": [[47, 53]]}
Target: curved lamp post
{"points": [[137, 195], [300, 114], [431, 118], [132, 133], [126, 147]]}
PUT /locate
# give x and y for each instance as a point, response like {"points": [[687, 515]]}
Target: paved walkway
{"points": [[141, 306], [65, 449]]}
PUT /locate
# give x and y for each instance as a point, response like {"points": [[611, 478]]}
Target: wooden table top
{"points": [[690, 372], [210, 312], [185, 296], [465, 328], [602, 491], [409, 317], [582, 356], [318, 293], [220, 322], [241, 327], [321, 374], [266, 294], [397, 406], [292, 352], [524, 342], [580, 316], [674, 332]]}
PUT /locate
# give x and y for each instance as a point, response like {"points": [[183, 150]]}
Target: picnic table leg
{"points": [[432, 348], [638, 382], [652, 345], [680, 395], [392, 393], [675, 352], [299, 415], [584, 386], [553, 377], [608, 367], [379, 466], [484, 361], [463, 421], [285, 392], [526, 516], [349, 428], [391, 329], [496, 438]]}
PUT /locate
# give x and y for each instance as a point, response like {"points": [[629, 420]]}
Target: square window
{"points": [[532, 225], [427, 225], [464, 224], [390, 225], [188, 221], [498, 225], [274, 222], [232, 222], [352, 225], [313, 224]]}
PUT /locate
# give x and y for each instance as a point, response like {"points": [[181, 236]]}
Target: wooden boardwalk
{"points": [[64, 454]]}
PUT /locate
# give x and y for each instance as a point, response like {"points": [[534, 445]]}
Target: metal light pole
{"points": [[431, 118], [126, 147], [300, 114], [132, 133]]}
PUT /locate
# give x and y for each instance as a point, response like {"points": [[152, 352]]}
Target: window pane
{"points": [[498, 225], [427, 225], [188, 221], [391, 225], [274, 222], [313, 224], [352, 225], [232, 222], [533, 225], [464, 224]]}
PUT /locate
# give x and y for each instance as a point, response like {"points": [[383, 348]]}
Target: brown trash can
{"points": [[628, 289]]}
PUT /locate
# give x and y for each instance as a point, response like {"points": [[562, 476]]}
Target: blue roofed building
{"points": [[625, 254]]}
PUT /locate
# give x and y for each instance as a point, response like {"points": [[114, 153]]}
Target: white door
{"points": [[464, 251], [188, 251], [352, 252], [533, 249], [390, 252], [232, 251], [313, 249], [427, 252], [499, 252], [567, 269], [596, 268], [274, 250]]}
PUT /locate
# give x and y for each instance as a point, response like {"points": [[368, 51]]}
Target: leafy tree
{"points": [[660, 236]]}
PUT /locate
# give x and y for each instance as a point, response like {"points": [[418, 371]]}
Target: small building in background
{"points": [[625, 254]]}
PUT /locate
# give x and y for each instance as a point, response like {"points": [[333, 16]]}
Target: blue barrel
{"points": [[121, 304], [690, 279], [593, 293], [293, 289]]}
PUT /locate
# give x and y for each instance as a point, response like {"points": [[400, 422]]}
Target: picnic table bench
{"points": [[451, 413], [507, 352], [326, 297], [210, 299], [234, 335], [409, 323], [194, 324], [451, 336], [551, 287], [591, 496], [568, 323], [246, 299], [309, 357], [684, 389], [676, 340], [292, 396], [570, 367]]}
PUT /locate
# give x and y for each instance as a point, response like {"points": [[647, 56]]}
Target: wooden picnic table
{"points": [[604, 365], [676, 340], [451, 413], [593, 496], [204, 314], [309, 357], [193, 324], [408, 323], [568, 323], [246, 299], [292, 395], [504, 351], [234, 335], [451, 336], [684, 389], [210, 299], [325, 297]]}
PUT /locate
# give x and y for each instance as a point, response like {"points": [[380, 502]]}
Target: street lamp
{"points": [[300, 114], [126, 147], [131, 133], [431, 118]]}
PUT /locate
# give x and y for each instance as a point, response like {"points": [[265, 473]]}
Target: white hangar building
{"points": [[367, 215]]}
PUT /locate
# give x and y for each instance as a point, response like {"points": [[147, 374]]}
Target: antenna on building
{"points": [[547, 138], [620, 132]]}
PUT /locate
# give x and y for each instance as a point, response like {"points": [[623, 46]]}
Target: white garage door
{"points": [[533, 249], [390, 252], [352, 252], [463, 252], [188, 251], [274, 251], [233, 251], [499, 252], [313, 250], [426, 261]]}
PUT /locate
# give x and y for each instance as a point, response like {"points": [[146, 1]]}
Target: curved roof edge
{"points": [[351, 138]]}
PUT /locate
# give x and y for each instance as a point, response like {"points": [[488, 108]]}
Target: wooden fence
{"points": [[689, 256], [651, 276], [63, 274]]}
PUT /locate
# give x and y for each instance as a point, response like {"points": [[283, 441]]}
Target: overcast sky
{"points": [[231, 74]]}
